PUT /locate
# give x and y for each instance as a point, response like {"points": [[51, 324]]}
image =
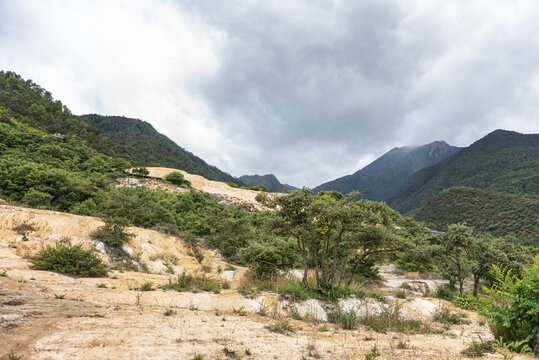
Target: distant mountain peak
{"points": [[269, 180], [382, 178]]}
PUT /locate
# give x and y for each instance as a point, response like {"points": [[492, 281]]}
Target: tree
{"points": [[175, 178], [455, 246], [336, 235]]}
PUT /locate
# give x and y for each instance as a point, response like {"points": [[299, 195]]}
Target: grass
{"points": [[401, 294], [388, 319], [281, 327], [478, 349], [197, 356], [195, 283], [12, 356], [3, 273], [445, 316], [373, 354], [169, 312], [147, 286]]}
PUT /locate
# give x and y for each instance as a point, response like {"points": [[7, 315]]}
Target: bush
{"points": [[195, 283], [445, 316], [65, 258], [513, 308], [175, 178], [347, 320], [112, 234], [478, 349]]}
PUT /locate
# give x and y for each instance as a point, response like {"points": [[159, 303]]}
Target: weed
{"points": [[444, 294], [147, 286], [445, 316], [194, 283], [193, 307], [197, 356], [401, 294], [373, 354], [263, 309], [478, 349], [248, 352], [169, 312], [402, 344], [206, 269], [347, 320], [3, 273], [59, 296], [390, 319], [102, 286], [12, 356], [323, 328], [406, 286], [281, 327]]}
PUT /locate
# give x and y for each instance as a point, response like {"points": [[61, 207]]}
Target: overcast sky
{"points": [[307, 90]]}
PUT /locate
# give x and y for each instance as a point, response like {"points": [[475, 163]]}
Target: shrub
{"points": [[444, 316], [347, 320], [112, 233], [141, 171], [195, 283], [390, 319], [513, 308], [281, 327], [175, 178], [65, 258], [444, 294], [478, 349]]}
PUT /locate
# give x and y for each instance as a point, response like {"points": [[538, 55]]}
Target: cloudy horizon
{"points": [[306, 90]]}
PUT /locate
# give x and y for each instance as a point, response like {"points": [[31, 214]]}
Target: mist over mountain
{"points": [[502, 161], [386, 175]]}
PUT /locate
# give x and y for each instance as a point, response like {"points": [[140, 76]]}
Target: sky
{"points": [[308, 90]]}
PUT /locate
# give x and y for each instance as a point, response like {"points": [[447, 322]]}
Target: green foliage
{"points": [[175, 178], [195, 283], [149, 148], [478, 349], [140, 171], [257, 187], [347, 320], [112, 234], [65, 258], [271, 257], [513, 308], [495, 213], [502, 161], [445, 316], [281, 327]]}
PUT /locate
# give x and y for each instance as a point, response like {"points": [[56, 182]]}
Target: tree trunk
{"points": [[476, 278], [304, 258]]}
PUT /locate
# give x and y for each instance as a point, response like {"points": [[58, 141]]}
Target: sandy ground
{"points": [[235, 195], [44, 315]]}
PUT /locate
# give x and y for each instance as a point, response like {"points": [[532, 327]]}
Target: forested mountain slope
{"points": [[502, 161], [383, 177], [499, 214], [150, 148], [269, 180]]}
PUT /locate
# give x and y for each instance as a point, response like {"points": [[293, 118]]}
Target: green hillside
{"points": [[33, 106], [503, 161], [499, 214], [269, 180], [150, 148], [382, 178]]}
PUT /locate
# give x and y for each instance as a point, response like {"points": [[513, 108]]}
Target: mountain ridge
{"points": [[384, 176], [269, 180]]}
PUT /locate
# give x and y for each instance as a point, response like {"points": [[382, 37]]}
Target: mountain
{"points": [[502, 161], [150, 148], [386, 175], [33, 106], [499, 214], [268, 180]]}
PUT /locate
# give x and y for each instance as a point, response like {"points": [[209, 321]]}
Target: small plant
{"points": [[197, 356], [323, 328], [195, 283], [478, 349], [444, 294], [169, 312], [225, 285], [147, 286], [175, 178], [12, 356], [402, 344], [373, 354], [281, 327], [112, 234], [23, 229], [206, 269], [248, 352], [401, 294], [445, 316], [347, 320], [406, 286], [263, 309], [3, 273], [65, 258], [102, 286], [193, 307]]}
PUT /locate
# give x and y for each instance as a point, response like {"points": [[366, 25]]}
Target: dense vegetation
{"points": [[502, 161], [382, 178], [150, 148], [65, 258], [268, 180], [499, 214]]}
